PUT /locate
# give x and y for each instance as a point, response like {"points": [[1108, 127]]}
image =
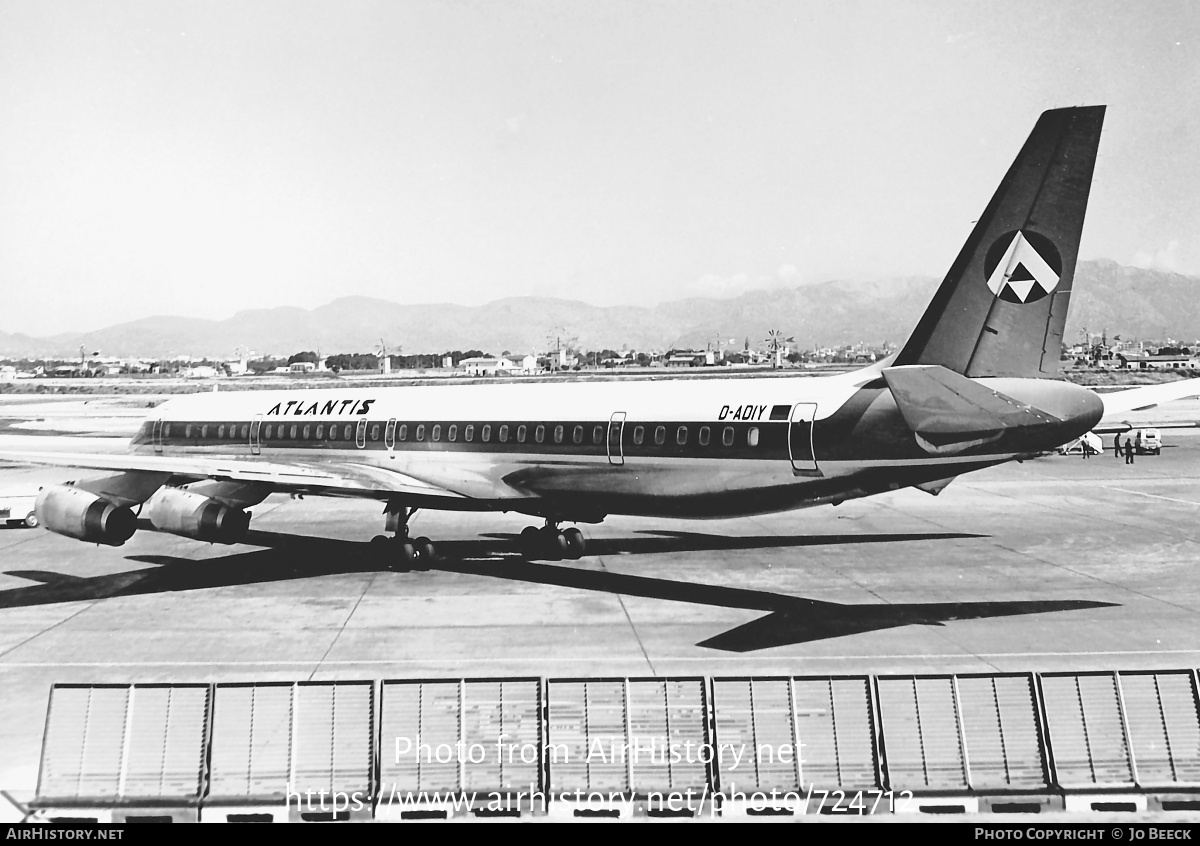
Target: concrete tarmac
{"points": [[1055, 564]]}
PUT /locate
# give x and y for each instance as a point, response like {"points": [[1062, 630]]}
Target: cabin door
{"points": [[255, 435], [616, 448], [800, 439]]}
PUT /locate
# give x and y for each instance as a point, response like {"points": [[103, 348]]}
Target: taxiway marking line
{"points": [[592, 660], [1154, 496]]}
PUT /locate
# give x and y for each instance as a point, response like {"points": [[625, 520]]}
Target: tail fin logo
{"points": [[1022, 267]]}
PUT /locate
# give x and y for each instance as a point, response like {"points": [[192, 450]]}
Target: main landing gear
{"points": [[402, 552], [552, 543]]}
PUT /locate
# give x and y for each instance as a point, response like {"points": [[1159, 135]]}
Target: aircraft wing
{"points": [[346, 479]]}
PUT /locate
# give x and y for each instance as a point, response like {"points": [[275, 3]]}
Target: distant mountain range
{"points": [[1127, 301]]}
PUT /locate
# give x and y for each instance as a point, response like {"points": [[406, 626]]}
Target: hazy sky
{"points": [[198, 158]]}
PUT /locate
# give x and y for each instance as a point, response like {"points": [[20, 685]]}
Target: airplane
{"points": [[974, 386]]}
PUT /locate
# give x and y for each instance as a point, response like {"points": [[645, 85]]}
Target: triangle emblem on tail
{"points": [[1018, 271]]}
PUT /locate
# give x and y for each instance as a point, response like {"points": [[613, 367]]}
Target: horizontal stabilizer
{"points": [[1139, 399], [935, 401]]}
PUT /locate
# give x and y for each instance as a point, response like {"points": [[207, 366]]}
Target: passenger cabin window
{"points": [[437, 432], [374, 432], [245, 430], [521, 434], [704, 435], [421, 432], [267, 434], [681, 435], [660, 435], [504, 434], [204, 431], [320, 432], [539, 434], [469, 433], [221, 431], [639, 434], [727, 436], [348, 433], [307, 432], [293, 433], [752, 436], [558, 434], [403, 431], [452, 433], [598, 435], [166, 430], [487, 433], [577, 435]]}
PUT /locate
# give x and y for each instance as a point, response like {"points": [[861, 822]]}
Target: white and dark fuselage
{"points": [[578, 451], [972, 386]]}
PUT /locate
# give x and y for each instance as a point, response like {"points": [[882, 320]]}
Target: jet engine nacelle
{"points": [[195, 516], [80, 514]]}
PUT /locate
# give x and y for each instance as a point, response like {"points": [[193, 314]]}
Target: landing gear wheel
{"points": [[31, 520], [405, 556], [426, 553], [530, 541], [554, 545], [576, 545]]}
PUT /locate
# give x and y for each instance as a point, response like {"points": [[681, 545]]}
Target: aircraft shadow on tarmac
{"points": [[790, 619]]}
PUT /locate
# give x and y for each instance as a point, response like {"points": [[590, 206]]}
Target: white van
{"points": [[18, 510], [1147, 441]]}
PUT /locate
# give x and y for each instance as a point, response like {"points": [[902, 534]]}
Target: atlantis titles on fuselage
{"points": [[301, 408]]}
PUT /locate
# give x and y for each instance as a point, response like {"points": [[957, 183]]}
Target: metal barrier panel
{"points": [[835, 732], [503, 720], [628, 737], [750, 713], [252, 742], [587, 735], [272, 740], [1000, 728], [420, 729], [668, 735], [922, 733], [441, 738], [127, 744], [1087, 732], [335, 737], [1164, 727]]}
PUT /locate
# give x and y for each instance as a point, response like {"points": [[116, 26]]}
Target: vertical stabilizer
{"points": [[1001, 309]]}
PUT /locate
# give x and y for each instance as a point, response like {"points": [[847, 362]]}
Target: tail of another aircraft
{"points": [[1000, 310]]}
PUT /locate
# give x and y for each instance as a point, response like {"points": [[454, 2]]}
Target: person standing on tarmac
{"points": [[1129, 450], [1117, 445]]}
